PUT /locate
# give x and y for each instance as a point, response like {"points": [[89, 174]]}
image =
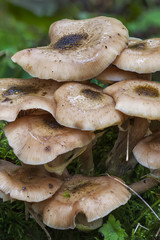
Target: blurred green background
{"points": [[24, 24]]}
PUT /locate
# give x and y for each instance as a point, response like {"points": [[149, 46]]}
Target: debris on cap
{"points": [[40, 139], [22, 94], [147, 151], [82, 48], [85, 107], [139, 98], [27, 183], [114, 74], [141, 56], [95, 197]]}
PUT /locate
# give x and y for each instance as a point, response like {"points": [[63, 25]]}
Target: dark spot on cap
{"points": [[105, 46], [147, 90], [78, 124], [91, 94], [6, 100], [23, 188], [20, 90], [79, 187], [69, 41], [44, 93], [50, 185], [29, 50], [137, 46], [47, 149]]}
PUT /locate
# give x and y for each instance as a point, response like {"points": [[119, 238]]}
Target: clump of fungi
{"points": [[54, 117]]}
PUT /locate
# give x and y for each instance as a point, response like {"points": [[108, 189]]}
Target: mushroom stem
{"points": [[86, 158], [144, 185], [116, 161]]}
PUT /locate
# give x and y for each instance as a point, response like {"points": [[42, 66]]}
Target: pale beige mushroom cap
{"points": [[40, 139], [114, 74], [147, 151], [94, 196], [27, 183], [141, 56], [140, 98], [79, 49], [22, 94], [85, 107]]}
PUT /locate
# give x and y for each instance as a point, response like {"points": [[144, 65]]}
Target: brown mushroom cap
{"points": [[141, 56], [82, 48], [140, 98], [27, 183], [85, 107], [21, 94], [40, 139], [93, 196], [147, 151], [114, 74]]}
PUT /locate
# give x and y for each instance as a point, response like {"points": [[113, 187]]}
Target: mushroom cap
{"points": [[115, 74], [40, 139], [82, 48], [85, 107], [27, 183], [140, 98], [22, 94], [147, 151], [141, 56], [93, 196]]}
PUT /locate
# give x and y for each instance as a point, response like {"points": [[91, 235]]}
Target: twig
{"points": [[139, 225], [40, 223]]}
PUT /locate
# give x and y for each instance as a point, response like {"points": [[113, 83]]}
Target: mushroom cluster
{"points": [[54, 116]]}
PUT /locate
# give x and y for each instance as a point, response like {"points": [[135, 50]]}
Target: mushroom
{"points": [[136, 98], [85, 107], [82, 48], [114, 74], [40, 139], [59, 165], [130, 133], [95, 197], [27, 183], [147, 151], [21, 94], [141, 56]]}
